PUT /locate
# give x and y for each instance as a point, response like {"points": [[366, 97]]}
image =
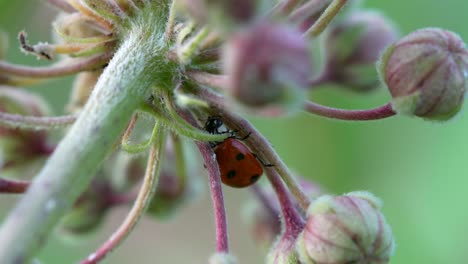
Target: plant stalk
{"points": [[122, 88]]}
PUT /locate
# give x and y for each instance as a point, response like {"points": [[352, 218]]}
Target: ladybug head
{"points": [[213, 124]]}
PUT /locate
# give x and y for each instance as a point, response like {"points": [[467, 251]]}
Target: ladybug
{"points": [[238, 166]]}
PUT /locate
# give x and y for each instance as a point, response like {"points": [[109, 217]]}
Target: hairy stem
{"points": [[121, 89], [141, 203], [209, 157], [56, 70], [293, 221], [35, 122], [352, 115], [217, 196], [260, 145]]}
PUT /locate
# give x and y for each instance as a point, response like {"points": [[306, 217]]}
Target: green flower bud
{"points": [[268, 68], [352, 47], [345, 229], [222, 258], [426, 73]]}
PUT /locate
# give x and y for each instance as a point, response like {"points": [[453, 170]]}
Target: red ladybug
{"points": [[238, 166]]}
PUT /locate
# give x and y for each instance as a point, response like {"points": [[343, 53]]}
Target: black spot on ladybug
{"points": [[231, 174], [254, 178], [240, 156]]}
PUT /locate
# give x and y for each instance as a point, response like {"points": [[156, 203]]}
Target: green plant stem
{"points": [[141, 204], [325, 19], [258, 143], [121, 89]]}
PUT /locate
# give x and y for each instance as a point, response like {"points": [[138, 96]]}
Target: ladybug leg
{"points": [[261, 161], [240, 138], [213, 144]]}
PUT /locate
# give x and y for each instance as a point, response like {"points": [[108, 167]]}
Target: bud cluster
{"points": [[180, 63]]}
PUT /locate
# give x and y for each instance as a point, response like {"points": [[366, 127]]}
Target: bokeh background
{"points": [[418, 168]]}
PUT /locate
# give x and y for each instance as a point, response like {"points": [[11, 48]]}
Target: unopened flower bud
{"points": [[222, 258], [426, 73], [353, 46], [72, 26], [345, 229], [268, 68], [18, 146]]}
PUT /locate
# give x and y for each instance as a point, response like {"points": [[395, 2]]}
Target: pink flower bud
{"points": [[426, 73], [268, 67], [345, 229], [353, 46]]}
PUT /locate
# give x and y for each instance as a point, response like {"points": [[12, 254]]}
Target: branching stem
{"points": [[140, 205], [122, 88]]}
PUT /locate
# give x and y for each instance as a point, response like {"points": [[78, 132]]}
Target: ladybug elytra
{"points": [[238, 166]]}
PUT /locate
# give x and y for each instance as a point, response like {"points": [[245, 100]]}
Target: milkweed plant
{"points": [[149, 74]]}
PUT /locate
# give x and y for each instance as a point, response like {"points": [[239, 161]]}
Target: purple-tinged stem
{"points": [[217, 196], [35, 122], [213, 80], [262, 148], [257, 143], [57, 70], [352, 115], [293, 221], [142, 202], [13, 186], [209, 157]]}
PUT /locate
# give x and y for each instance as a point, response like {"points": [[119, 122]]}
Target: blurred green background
{"points": [[418, 168]]}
